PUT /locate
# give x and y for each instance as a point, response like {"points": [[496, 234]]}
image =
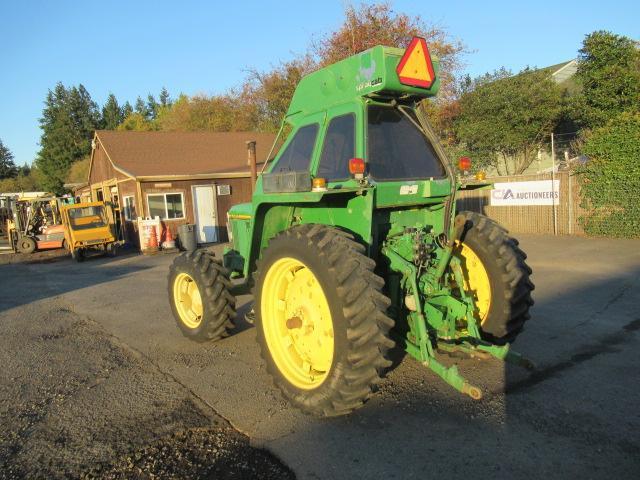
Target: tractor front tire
{"points": [[27, 245], [320, 319], [497, 275], [199, 293]]}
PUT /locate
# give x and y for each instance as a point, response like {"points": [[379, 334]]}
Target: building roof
{"points": [[151, 154], [563, 71]]}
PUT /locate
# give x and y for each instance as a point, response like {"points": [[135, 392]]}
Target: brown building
{"points": [[182, 177]]}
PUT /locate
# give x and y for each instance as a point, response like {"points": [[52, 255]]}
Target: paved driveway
{"points": [[578, 415]]}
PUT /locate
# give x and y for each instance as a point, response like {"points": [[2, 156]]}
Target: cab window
{"points": [[85, 218], [338, 148], [297, 156], [397, 149]]}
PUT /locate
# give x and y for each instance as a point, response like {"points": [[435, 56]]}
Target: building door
{"points": [[204, 206]]}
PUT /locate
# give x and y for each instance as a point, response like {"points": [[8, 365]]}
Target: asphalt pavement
{"points": [[577, 415]]}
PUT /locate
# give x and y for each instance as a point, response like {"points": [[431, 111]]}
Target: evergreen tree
{"points": [[165, 99], [127, 110], [24, 170], [112, 114], [152, 107], [68, 122], [7, 167], [141, 107]]}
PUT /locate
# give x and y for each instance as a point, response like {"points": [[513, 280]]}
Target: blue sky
{"points": [[132, 47]]}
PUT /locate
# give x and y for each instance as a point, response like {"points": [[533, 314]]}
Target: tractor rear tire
{"points": [[26, 245], [199, 293], [508, 275], [320, 319]]}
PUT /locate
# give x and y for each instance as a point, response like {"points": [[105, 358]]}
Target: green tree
{"points": [[137, 122], [112, 114], [220, 113], [68, 122], [8, 169], [504, 122], [165, 99], [152, 107], [611, 178], [24, 170], [79, 171], [609, 76], [28, 180], [141, 108], [127, 110]]}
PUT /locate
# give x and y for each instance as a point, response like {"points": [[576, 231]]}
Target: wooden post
{"points": [[251, 159]]}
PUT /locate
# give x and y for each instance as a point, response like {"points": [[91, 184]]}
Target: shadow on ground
{"points": [[33, 280]]}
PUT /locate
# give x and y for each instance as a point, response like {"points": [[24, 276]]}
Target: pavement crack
{"points": [[615, 298]]}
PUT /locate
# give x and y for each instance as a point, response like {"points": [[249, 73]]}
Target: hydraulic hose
{"points": [[449, 204]]}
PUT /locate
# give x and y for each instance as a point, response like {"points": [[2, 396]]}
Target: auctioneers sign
{"points": [[538, 192]]}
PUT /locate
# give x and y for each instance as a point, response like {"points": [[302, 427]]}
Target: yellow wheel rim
{"points": [[297, 323], [476, 280], [187, 299]]}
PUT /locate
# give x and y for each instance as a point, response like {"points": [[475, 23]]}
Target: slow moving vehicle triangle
{"points": [[415, 68]]}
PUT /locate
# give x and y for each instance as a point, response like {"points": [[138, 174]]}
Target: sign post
{"points": [[553, 180]]}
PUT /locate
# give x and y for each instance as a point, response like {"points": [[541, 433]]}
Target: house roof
{"points": [[552, 69], [147, 154]]}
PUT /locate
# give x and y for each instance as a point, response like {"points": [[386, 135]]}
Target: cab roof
{"points": [[367, 74]]}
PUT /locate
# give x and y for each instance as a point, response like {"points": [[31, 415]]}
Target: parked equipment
{"points": [[352, 244], [89, 229], [34, 223]]}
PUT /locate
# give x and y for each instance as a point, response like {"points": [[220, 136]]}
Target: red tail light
{"points": [[464, 163], [356, 166]]}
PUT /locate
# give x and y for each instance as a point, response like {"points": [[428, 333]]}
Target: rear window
{"points": [[397, 149]]}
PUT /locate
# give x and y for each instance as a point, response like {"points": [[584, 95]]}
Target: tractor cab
{"points": [[358, 120]]}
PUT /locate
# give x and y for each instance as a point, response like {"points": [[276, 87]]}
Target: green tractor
{"points": [[352, 245]]}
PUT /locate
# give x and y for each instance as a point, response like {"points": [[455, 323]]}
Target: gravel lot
{"points": [[99, 382]]}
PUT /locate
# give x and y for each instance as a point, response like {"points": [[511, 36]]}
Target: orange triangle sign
{"points": [[415, 68]]}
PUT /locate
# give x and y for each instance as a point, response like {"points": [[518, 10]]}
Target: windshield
{"points": [[87, 217], [397, 147]]}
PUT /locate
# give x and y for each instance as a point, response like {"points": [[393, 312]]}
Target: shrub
{"points": [[611, 178]]}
